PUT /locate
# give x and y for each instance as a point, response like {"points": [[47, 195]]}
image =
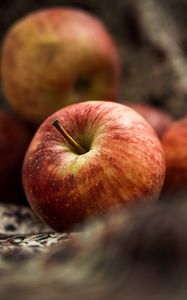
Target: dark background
{"points": [[152, 39]]}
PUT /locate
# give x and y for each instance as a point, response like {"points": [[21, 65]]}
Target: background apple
{"points": [[157, 118], [56, 57], [14, 140], [175, 146], [123, 163]]}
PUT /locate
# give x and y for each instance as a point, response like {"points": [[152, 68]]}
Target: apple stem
{"points": [[79, 149]]}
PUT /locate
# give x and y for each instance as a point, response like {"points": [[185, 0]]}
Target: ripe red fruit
{"points": [[157, 118], [117, 160], [56, 57], [14, 140], [175, 146]]}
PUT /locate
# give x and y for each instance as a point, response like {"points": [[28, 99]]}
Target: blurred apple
{"points": [[105, 155], [14, 140], [157, 118], [56, 57], [175, 146]]}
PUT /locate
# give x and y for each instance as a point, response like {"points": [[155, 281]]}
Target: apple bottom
{"points": [[87, 185]]}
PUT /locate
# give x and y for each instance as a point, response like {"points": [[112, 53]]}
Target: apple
{"points": [[14, 140], [175, 146], [101, 155], [158, 119], [56, 57]]}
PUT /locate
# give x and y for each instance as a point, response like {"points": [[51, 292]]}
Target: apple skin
{"points": [[158, 119], [174, 142], [55, 57], [124, 165], [14, 140]]}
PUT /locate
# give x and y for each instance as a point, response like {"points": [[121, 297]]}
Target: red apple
{"points": [[105, 155], [14, 140], [175, 146], [55, 57], [157, 118]]}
